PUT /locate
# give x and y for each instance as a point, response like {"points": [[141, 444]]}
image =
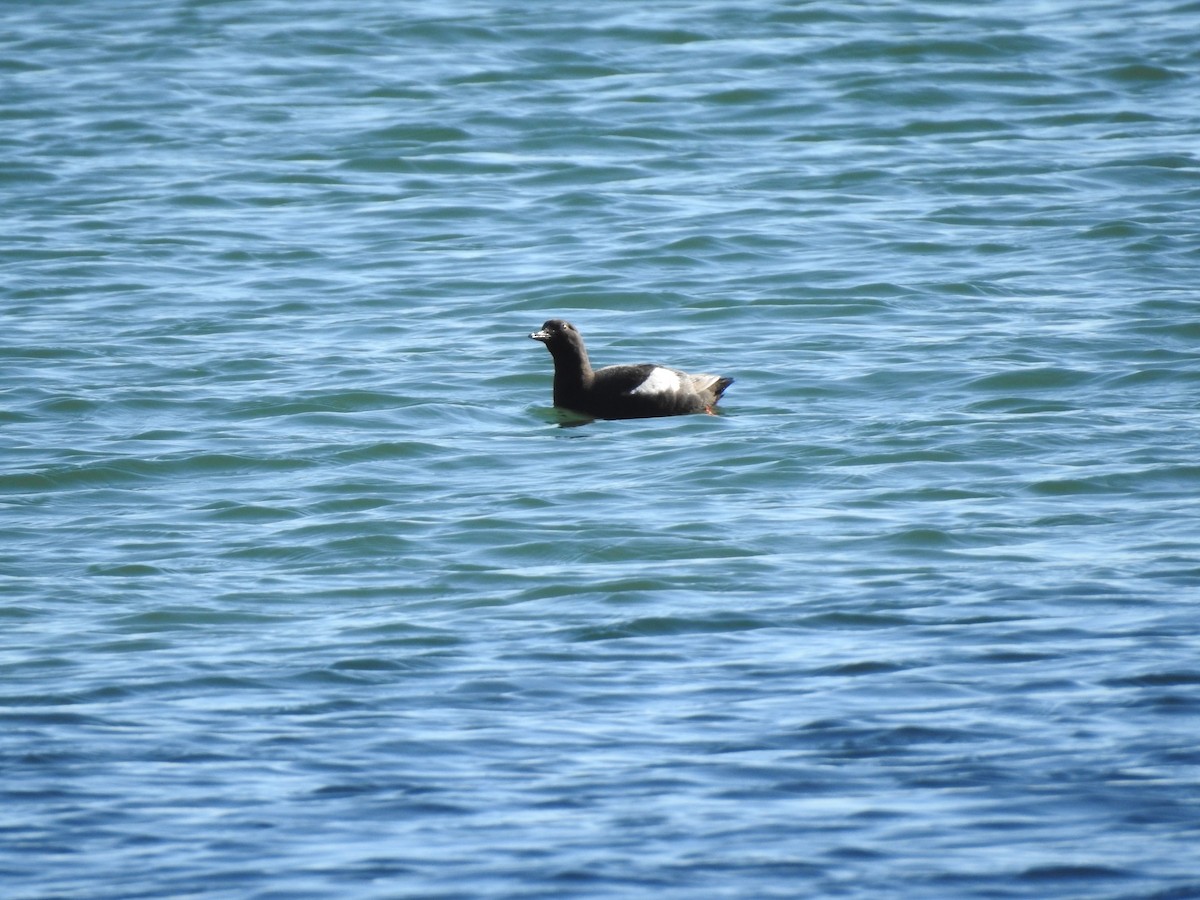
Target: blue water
{"points": [[306, 593]]}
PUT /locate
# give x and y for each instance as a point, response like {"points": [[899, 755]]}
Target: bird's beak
{"points": [[542, 336]]}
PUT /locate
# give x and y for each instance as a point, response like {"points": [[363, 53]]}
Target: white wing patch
{"points": [[659, 381]]}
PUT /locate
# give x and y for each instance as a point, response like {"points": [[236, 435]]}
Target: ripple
{"points": [[294, 543]]}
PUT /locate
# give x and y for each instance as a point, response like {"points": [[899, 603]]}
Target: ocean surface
{"points": [[306, 590]]}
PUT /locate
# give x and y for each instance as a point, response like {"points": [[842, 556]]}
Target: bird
{"points": [[637, 391]]}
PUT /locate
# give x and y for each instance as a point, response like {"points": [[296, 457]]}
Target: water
{"points": [[306, 593]]}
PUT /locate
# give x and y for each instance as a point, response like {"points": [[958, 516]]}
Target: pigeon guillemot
{"points": [[622, 392]]}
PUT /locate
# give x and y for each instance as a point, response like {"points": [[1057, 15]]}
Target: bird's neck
{"points": [[572, 369]]}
